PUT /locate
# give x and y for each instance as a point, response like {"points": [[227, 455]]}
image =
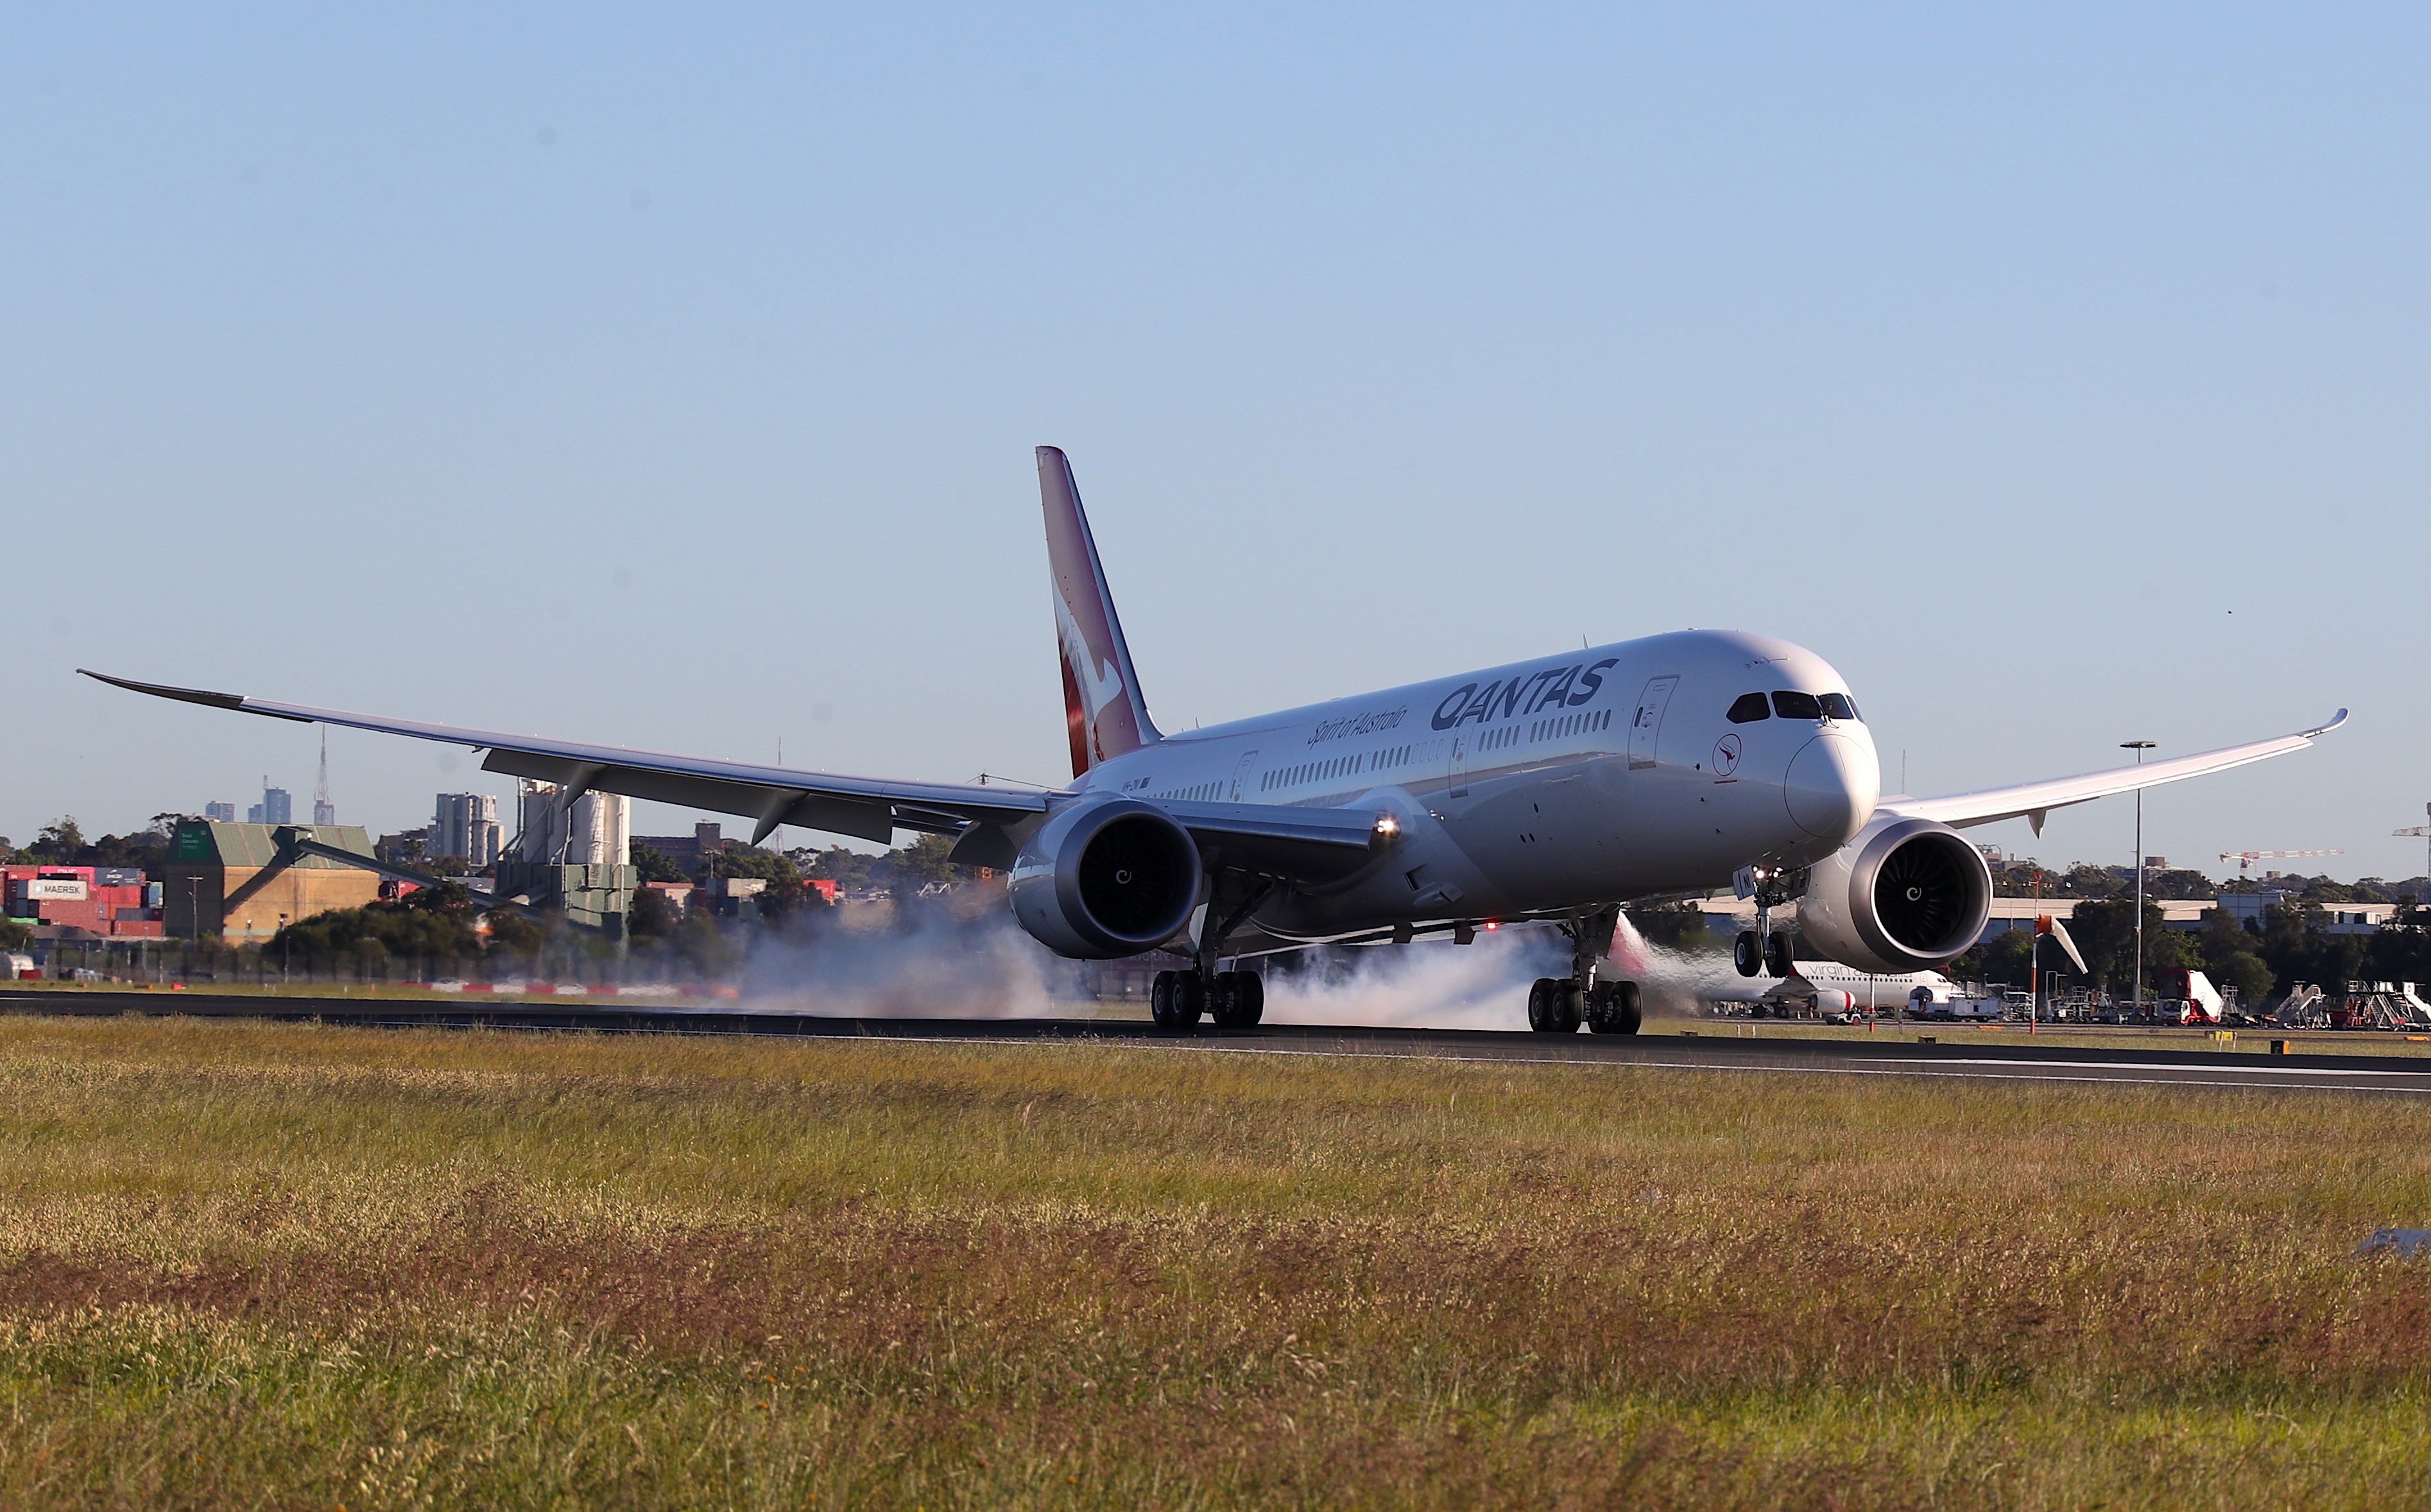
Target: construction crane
{"points": [[2247, 858], [2420, 832]]}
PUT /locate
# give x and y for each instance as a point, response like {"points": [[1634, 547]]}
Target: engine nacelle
{"points": [[1905, 895], [1106, 877]]}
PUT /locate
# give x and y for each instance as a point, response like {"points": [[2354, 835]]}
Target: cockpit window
{"points": [[1837, 706], [1748, 709], [1797, 705]]}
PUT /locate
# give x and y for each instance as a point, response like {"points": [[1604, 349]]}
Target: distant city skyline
{"points": [[670, 379]]}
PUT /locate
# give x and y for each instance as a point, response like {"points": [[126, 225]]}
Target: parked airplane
{"points": [[1555, 789], [1830, 984]]}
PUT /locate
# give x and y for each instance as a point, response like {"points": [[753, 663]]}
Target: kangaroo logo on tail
{"points": [[1103, 711]]}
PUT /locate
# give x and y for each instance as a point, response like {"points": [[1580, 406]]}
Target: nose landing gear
{"points": [[1765, 948]]}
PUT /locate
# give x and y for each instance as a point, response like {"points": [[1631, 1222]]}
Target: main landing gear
{"points": [[1557, 1005], [1235, 999]]}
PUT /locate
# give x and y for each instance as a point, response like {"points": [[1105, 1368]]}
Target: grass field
{"points": [[261, 1266]]}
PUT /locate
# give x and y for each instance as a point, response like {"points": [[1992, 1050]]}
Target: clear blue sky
{"points": [[669, 375]]}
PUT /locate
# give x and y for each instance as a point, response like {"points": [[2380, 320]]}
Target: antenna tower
{"points": [[324, 812]]}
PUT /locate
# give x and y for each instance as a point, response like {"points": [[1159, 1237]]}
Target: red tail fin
{"points": [[1102, 707]]}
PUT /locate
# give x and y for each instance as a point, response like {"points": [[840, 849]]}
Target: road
{"points": [[1715, 1052]]}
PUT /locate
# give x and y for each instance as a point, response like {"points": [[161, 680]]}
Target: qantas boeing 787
{"points": [[1554, 790]]}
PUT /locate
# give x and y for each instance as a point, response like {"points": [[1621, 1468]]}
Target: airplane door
{"points": [[1646, 729], [1460, 766], [1242, 771]]}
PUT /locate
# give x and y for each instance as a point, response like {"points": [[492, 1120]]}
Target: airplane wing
{"points": [[2032, 801], [1300, 842]]}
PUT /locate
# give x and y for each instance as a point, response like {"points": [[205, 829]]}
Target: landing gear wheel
{"points": [[1776, 954], [1747, 953], [1176, 1000], [1554, 1005], [1237, 999], [1613, 1008]]}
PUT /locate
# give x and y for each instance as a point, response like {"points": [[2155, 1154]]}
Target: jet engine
{"points": [[1106, 877], [1905, 895]]}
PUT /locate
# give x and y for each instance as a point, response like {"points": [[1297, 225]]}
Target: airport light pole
{"points": [[2136, 1005]]}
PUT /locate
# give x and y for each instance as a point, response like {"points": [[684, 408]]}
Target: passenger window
{"points": [[1748, 709], [1796, 706], [1837, 706]]}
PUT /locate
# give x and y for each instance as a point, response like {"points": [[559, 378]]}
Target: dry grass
{"points": [[287, 1265]]}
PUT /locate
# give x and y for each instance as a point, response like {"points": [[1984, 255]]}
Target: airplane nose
{"points": [[1831, 787]]}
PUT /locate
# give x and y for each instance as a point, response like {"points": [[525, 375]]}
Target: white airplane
{"points": [[1834, 987], [1555, 790]]}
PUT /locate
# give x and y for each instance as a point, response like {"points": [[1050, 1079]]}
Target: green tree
{"points": [[652, 918], [2104, 932], [656, 865], [58, 841], [922, 864], [1673, 926], [13, 935], [2245, 971], [396, 928], [850, 870], [515, 932]]}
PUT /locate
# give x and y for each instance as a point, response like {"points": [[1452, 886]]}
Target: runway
{"points": [[1707, 1051]]}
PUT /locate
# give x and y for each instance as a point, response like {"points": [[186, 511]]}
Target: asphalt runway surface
{"points": [[1717, 1049]]}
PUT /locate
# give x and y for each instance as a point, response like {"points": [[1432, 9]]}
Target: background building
{"points": [[573, 855], [241, 881], [277, 806], [688, 852], [225, 812], [466, 825]]}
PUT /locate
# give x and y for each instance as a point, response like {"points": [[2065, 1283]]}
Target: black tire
{"points": [[1236, 999], [1189, 999], [1747, 953], [1539, 994], [1777, 958], [1160, 1000], [1249, 999], [1614, 1009], [1565, 1005]]}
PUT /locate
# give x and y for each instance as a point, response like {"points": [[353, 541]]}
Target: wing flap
{"points": [[2031, 801]]}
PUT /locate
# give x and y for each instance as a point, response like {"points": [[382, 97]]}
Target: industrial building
{"points": [[575, 854], [242, 882], [466, 825], [690, 852]]}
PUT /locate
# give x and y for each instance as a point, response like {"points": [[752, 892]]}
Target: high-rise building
{"points": [[220, 812], [277, 806], [466, 825]]}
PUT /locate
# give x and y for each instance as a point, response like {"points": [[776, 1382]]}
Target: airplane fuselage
{"points": [[1559, 783]]}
